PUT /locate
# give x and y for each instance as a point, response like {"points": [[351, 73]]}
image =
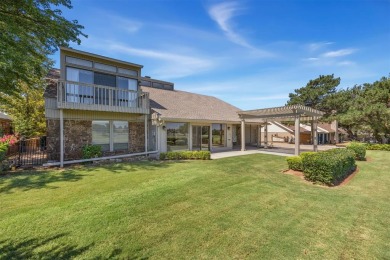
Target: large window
{"points": [[75, 92], [177, 136], [101, 134], [111, 135], [218, 134], [120, 135]]}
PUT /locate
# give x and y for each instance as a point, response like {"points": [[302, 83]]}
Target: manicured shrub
{"points": [[358, 149], [294, 163], [328, 167], [186, 155], [92, 151], [382, 147], [3, 151]]}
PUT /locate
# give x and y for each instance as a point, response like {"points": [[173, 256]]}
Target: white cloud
{"points": [[318, 45], [338, 53], [128, 25], [222, 14], [175, 65], [311, 59]]}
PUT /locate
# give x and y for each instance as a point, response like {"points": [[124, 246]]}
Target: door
{"points": [[201, 137]]}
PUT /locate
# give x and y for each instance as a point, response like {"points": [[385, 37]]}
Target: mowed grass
{"points": [[240, 207]]}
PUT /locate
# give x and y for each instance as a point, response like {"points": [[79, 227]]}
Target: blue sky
{"points": [[251, 54]]}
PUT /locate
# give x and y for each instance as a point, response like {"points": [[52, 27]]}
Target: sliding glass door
{"points": [[200, 137]]}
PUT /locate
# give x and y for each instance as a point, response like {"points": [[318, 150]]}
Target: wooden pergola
{"points": [[285, 113]]}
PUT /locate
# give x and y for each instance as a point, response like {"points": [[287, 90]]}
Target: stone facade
{"points": [[77, 134], [136, 137], [53, 139]]}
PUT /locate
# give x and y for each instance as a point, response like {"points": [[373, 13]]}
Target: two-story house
{"points": [[103, 101]]}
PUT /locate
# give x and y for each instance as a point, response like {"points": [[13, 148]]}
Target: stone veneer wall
{"points": [[53, 139], [136, 137], [78, 133]]}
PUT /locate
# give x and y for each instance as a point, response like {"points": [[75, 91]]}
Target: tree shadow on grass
{"points": [[42, 179], [40, 248], [36, 180], [131, 167]]}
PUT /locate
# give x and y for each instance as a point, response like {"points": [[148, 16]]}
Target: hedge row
{"points": [[329, 167], [295, 162], [3, 151], [358, 149], [382, 147], [186, 155]]}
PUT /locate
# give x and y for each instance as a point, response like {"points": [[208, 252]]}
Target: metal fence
{"points": [[28, 152]]}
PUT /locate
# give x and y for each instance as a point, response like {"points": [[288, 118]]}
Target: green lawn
{"points": [[241, 207]]}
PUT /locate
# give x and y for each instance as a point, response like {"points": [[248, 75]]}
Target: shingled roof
{"points": [[177, 105], [4, 116]]}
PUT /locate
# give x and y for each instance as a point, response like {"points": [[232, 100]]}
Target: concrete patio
{"points": [[280, 149]]}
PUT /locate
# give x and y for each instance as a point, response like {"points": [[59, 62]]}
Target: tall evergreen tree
{"points": [[315, 93]]}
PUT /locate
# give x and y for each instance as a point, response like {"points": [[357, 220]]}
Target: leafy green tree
{"points": [[315, 93], [372, 108], [30, 30], [27, 110], [340, 103]]}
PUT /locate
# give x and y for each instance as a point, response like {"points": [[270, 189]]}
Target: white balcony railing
{"points": [[83, 96]]}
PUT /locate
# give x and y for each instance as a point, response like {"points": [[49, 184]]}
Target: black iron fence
{"points": [[27, 152]]}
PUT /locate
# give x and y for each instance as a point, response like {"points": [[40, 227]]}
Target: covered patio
{"points": [[296, 113]]}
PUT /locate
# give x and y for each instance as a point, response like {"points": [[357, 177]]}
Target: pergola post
{"points": [[258, 136], [297, 134], [314, 134], [242, 134], [336, 132], [266, 135]]}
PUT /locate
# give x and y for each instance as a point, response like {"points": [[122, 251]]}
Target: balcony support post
{"points": [[146, 133], [61, 138]]}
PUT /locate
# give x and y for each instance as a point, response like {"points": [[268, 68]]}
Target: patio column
{"points": [[314, 134], [258, 136], [242, 135], [266, 135], [61, 138], [336, 132], [297, 134]]}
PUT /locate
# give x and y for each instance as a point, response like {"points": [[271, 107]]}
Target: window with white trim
{"points": [[111, 135]]}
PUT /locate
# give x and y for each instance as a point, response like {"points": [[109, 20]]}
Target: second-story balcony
{"points": [[84, 96]]}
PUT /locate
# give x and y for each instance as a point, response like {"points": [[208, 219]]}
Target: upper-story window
{"points": [[100, 66], [105, 67], [128, 72], [80, 62], [79, 93]]}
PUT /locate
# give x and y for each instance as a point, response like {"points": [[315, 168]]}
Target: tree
{"points": [[27, 110], [315, 93], [29, 32], [372, 108], [340, 103]]}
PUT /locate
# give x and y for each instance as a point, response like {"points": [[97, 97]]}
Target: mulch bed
{"points": [[344, 182]]}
